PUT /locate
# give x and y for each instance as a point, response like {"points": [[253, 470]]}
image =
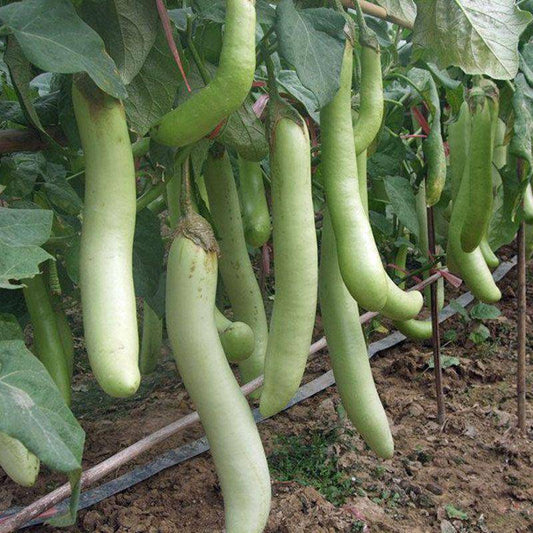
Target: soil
{"points": [[474, 473]]}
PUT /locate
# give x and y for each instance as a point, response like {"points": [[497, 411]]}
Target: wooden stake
{"points": [[521, 327], [435, 326]]}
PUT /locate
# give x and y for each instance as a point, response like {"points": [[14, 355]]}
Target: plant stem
{"points": [[196, 56]]}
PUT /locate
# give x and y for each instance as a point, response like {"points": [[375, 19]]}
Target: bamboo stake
{"points": [[435, 326], [521, 334]]}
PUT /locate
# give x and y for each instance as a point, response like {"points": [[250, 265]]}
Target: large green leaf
{"points": [[20, 171], [292, 84], [402, 10], [33, 411], [403, 203], [10, 329], [479, 36], [152, 91], [312, 41], [148, 252], [55, 39], [22, 232], [128, 29], [245, 133]]}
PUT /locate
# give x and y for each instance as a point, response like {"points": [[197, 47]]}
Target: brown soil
{"points": [[473, 474]]}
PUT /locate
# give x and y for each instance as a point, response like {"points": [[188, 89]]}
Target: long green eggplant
{"points": [[227, 420], [348, 352]]}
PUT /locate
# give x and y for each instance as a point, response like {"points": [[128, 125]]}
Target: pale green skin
{"points": [[359, 259], [528, 205], [470, 266], [254, 208], [401, 305], [205, 109], [348, 352], [362, 178], [499, 151], [295, 262], [227, 420], [490, 257], [106, 275], [415, 329], [47, 341], [237, 338], [459, 143], [235, 267], [151, 340], [367, 125], [17, 461], [477, 217]]}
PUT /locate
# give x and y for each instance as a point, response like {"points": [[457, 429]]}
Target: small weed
{"points": [[388, 498], [379, 471], [308, 461], [358, 527], [454, 513]]}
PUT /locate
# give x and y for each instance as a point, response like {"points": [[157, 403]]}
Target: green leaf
{"points": [[426, 85], [55, 39], [198, 155], [403, 203], [504, 224], [148, 252], [521, 142], [404, 10], [33, 411], [387, 160], [480, 37], [10, 329], [312, 41], [482, 311], [128, 29], [21, 75], [214, 10], [22, 232], [266, 14], [458, 308], [153, 90], [289, 80], [59, 190], [245, 133], [526, 62], [20, 171], [179, 17], [480, 334], [450, 335], [446, 361], [72, 260], [453, 512], [381, 223]]}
